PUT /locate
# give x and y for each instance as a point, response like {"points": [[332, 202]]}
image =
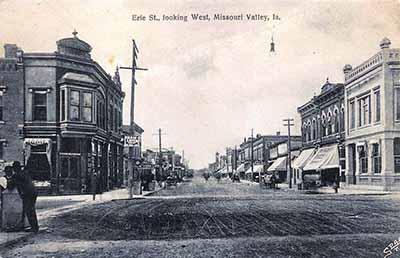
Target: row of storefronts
{"points": [[350, 133]]}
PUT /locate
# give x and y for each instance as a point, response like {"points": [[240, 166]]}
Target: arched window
{"points": [[329, 124], [314, 130], [342, 119], [323, 126], [337, 121]]}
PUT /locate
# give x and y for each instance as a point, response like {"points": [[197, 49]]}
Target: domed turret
{"points": [[385, 43], [347, 68], [74, 46]]}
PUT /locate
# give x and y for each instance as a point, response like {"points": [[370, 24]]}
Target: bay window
{"points": [[87, 107], [74, 108]]}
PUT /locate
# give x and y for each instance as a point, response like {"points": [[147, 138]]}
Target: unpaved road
{"points": [[210, 219]]}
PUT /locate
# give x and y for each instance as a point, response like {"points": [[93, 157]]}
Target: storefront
{"points": [[325, 162], [279, 168], [39, 160], [299, 164]]}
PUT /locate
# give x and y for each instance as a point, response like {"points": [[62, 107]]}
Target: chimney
{"points": [[278, 133], [10, 50]]}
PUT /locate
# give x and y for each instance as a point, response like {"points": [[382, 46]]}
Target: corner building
{"points": [[71, 127], [372, 99]]}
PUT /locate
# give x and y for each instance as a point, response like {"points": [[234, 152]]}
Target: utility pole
{"points": [[289, 172], [133, 68], [251, 154], [160, 153], [263, 160], [235, 159], [131, 162]]}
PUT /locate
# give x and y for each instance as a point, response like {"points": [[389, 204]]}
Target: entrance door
{"points": [[352, 165], [70, 177]]}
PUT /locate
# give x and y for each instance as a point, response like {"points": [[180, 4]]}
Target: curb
{"points": [[15, 240]]}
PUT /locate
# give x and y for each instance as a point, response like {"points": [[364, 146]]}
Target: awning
{"points": [[325, 158], [240, 168], [303, 158], [279, 164], [256, 169], [224, 171]]}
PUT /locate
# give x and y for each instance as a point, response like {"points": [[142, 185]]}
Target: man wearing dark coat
{"points": [[27, 191]]}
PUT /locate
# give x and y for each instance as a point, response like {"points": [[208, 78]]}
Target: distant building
{"points": [[11, 105], [323, 123], [132, 147], [64, 114], [278, 154], [372, 100]]}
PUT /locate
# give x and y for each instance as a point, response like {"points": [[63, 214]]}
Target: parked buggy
{"points": [[235, 177], [172, 181], [269, 181]]}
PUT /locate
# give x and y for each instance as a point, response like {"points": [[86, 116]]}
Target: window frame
{"points": [[72, 104], [35, 106]]}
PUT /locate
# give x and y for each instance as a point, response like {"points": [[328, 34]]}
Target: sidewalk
{"points": [[341, 191], [10, 238]]}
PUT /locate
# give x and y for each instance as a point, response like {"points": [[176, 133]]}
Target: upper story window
{"points": [[352, 114], [377, 96], [314, 130], [75, 105], [364, 111], [397, 102], [63, 105], [1, 106], [101, 115], [337, 121], [39, 105], [87, 107], [1, 150]]}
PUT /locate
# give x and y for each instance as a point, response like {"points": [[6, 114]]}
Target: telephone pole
{"points": [[132, 165], [288, 123], [160, 153], [251, 154], [133, 68]]}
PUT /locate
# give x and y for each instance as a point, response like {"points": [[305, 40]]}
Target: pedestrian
{"points": [[27, 191]]}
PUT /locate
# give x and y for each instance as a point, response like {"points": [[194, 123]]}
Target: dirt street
{"points": [[210, 219]]}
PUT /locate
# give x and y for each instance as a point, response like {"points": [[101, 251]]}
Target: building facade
{"points": [[71, 134], [323, 127], [11, 106], [372, 100]]}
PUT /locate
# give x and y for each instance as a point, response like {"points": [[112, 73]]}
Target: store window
{"points": [[376, 158], [396, 152], [40, 105], [74, 113], [363, 159], [87, 107]]}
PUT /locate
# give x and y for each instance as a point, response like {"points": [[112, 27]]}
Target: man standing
{"points": [[28, 193]]}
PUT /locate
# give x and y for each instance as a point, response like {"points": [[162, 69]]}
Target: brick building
{"points": [[322, 120], [11, 111], [72, 117]]}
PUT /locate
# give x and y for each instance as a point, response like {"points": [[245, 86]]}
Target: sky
{"points": [[210, 82]]}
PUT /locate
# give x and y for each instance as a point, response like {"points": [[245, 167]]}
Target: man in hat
{"points": [[28, 194]]}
